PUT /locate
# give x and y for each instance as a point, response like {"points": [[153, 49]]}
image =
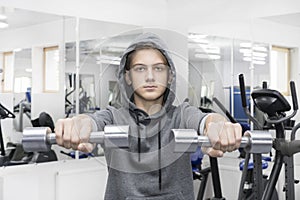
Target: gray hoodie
{"points": [[149, 169]]}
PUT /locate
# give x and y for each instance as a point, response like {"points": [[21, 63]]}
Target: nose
{"points": [[150, 76]]}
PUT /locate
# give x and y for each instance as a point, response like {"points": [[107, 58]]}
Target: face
{"points": [[148, 75]]}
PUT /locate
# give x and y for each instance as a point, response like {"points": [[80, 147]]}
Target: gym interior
{"points": [[59, 58]]}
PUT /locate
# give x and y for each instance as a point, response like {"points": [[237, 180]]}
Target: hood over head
{"points": [[148, 40]]}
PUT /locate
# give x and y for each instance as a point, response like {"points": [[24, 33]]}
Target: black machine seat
{"points": [[270, 101]]}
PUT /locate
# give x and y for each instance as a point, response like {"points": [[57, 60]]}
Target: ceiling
{"points": [[289, 19], [90, 49], [19, 18]]}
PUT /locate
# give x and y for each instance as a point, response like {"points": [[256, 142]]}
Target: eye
{"points": [[139, 68], [160, 67]]}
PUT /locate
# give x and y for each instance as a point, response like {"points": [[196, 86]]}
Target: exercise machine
{"points": [[14, 153], [274, 106], [246, 165], [257, 142], [5, 155]]}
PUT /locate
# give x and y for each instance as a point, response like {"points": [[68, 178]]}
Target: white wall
{"points": [[70, 179]]}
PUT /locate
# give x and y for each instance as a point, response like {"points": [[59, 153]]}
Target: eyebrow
{"points": [[147, 65]]}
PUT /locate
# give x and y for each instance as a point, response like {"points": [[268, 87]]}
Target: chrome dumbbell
{"points": [[40, 139], [187, 140]]}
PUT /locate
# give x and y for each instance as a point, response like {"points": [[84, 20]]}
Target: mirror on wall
{"points": [[101, 44], [99, 58], [209, 58], [26, 35], [7, 70], [216, 62], [22, 88]]}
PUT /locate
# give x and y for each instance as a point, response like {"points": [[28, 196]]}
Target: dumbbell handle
{"points": [[204, 141], [40, 139], [95, 137], [187, 140]]}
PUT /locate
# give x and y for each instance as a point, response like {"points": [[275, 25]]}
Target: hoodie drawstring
{"points": [[159, 157], [159, 149], [139, 138]]}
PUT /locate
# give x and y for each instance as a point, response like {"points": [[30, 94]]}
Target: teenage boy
{"points": [[149, 169]]}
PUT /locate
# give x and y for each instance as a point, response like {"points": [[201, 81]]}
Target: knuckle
{"points": [[66, 138], [75, 140], [84, 139], [239, 139], [58, 137], [231, 143], [224, 143]]}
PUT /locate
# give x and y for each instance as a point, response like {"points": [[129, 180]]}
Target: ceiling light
{"points": [[196, 36], [208, 56], [214, 57], [246, 44], [259, 58], [213, 50], [259, 54], [247, 59], [110, 62], [259, 62], [245, 51], [200, 41], [17, 50], [2, 13], [259, 48], [2, 16], [255, 61], [249, 53], [3, 24]]}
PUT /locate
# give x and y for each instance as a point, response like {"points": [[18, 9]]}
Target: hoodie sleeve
{"points": [[101, 119], [193, 118]]}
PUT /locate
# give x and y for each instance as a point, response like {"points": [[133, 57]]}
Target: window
{"points": [[8, 71], [280, 69], [22, 84], [51, 69]]}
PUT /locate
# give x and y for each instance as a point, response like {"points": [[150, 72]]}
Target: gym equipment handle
{"points": [[294, 95], [228, 115], [242, 89]]}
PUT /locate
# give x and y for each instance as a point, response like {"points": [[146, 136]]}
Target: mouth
{"points": [[150, 87]]}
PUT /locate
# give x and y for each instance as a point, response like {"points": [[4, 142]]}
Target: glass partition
{"points": [[209, 69], [218, 61], [8, 71], [26, 36], [22, 88], [99, 56]]}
